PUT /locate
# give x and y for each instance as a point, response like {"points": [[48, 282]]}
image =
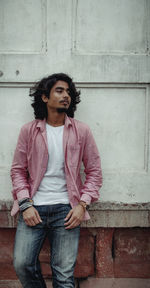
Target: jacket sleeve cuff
{"points": [[86, 198], [23, 194]]}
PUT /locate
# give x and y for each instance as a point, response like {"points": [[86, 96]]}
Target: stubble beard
{"points": [[62, 110]]}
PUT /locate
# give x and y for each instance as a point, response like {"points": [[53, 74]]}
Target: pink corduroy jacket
{"points": [[31, 158]]}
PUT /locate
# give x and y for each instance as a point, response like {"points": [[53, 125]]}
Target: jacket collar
{"points": [[41, 123], [67, 121]]}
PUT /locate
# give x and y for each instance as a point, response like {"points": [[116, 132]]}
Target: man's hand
{"points": [[74, 217], [31, 216]]}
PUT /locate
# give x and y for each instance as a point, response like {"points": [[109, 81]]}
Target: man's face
{"points": [[59, 97]]}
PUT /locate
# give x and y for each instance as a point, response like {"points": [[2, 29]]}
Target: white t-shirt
{"points": [[53, 188]]}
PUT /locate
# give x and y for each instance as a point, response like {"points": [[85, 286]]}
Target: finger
{"points": [[72, 225], [31, 220], [69, 215], [32, 223], [31, 216], [35, 221], [28, 222], [71, 219], [38, 216]]}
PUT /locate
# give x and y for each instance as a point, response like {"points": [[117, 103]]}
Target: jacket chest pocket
{"points": [[74, 154]]}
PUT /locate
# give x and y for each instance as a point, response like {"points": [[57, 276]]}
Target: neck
{"points": [[56, 119]]}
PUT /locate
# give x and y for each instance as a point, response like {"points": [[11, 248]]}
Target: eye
{"points": [[59, 90]]}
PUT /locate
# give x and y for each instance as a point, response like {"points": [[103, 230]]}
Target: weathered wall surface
{"points": [[115, 243], [105, 46], [103, 253]]}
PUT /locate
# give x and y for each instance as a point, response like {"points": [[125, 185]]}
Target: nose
{"points": [[66, 95]]}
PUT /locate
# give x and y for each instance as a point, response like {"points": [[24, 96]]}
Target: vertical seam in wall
{"points": [[147, 28], [113, 250], [148, 219], [113, 246], [78, 283], [94, 260], [94, 254]]}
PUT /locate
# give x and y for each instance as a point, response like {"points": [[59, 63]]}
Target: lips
{"points": [[64, 102]]}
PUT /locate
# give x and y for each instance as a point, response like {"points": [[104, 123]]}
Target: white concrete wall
{"points": [[104, 45]]}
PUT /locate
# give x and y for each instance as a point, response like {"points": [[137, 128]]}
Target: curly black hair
{"points": [[44, 86]]}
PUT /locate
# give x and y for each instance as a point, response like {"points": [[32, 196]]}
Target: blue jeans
{"points": [[63, 245]]}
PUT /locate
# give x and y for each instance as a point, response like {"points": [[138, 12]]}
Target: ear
{"points": [[44, 98]]}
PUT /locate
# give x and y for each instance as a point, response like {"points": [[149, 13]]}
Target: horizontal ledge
{"points": [[28, 84], [115, 282], [103, 214], [5, 205], [118, 219], [109, 205], [92, 282]]}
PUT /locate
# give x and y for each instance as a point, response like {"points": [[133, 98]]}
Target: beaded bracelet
{"points": [[25, 203]]}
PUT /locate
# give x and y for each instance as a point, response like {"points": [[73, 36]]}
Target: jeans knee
{"points": [[20, 266], [26, 267]]}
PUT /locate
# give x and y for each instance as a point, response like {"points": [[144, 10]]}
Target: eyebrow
{"points": [[62, 88]]}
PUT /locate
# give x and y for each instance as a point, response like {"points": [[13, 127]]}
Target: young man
{"points": [[47, 187]]}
